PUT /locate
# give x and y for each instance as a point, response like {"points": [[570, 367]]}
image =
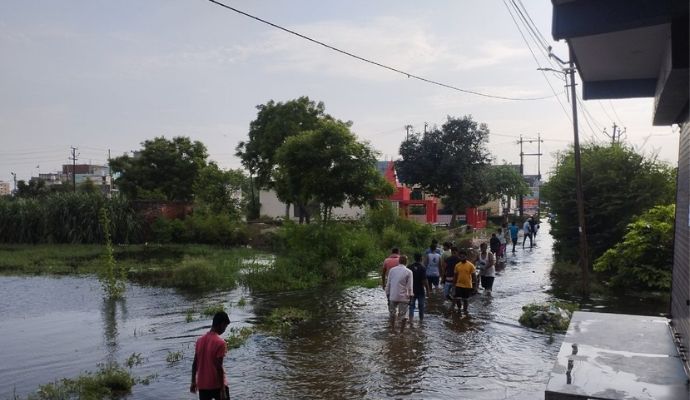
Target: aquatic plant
{"points": [[238, 337], [195, 273], [242, 302], [282, 320], [134, 359], [212, 310], [551, 317], [189, 317], [109, 381], [113, 278], [174, 357]]}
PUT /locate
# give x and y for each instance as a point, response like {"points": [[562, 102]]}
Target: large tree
{"points": [[328, 167], [617, 183], [274, 123], [162, 170], [449, 162]]}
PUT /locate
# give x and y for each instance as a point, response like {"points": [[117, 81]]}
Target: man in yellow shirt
{"points": [[464, 276]]}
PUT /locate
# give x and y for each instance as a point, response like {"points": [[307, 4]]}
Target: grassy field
{"points": [[181, 266]]}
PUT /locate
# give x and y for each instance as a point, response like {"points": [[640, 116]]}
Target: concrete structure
{"points": [[641, 48], [272, 207], [617, 356], [5, 189]]}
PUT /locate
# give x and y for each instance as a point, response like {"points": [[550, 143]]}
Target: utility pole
{"points": [[74, 168], [583, 250], [522, 174], [425, 125], [110, 177], [14, 177], [584, 253], [407, 135], [522, 164]]}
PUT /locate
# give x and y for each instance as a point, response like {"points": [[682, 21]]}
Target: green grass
{"points": [[282, 320], [174, 357], [368, 283], [238, 337], [108, 382], [189, 267], [212, 310]]}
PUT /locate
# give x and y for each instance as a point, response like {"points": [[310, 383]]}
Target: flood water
{"points": [[51, 328]]}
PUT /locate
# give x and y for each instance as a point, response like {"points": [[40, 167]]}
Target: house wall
{"points": [[680, 292], [272, 207]]}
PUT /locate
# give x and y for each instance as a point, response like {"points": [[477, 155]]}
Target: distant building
{"points": [[99, 175], [5, 188]]}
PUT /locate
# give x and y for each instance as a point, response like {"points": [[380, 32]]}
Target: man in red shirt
{"points": [[208, 375], [390, 262]]}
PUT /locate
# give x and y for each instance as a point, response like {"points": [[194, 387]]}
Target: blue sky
{"points": [[102, 75]]}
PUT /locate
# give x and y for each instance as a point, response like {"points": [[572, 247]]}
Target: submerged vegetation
{"points": [[283, 320], [551, 317], [188, 267], [111, 381]]}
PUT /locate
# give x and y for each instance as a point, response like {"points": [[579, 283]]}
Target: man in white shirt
{"points": [[399, 291]]}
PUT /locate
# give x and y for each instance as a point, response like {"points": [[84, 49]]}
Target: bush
{"points": [[195, 274], [109, 382], [313, 254]]}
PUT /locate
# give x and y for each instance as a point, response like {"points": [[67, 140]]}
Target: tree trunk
{"points": [[287, 211], [453, 218]]}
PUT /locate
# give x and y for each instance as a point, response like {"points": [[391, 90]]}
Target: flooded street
{"points": [[52, 328]]}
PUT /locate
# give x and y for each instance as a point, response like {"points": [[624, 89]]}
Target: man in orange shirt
{"points": [[208, 375], [464, 276]]}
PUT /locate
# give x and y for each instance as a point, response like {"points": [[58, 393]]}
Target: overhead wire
{"points": [[536, 60], [376, 63]]}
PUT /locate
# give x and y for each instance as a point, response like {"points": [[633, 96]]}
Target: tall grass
{"points": [[66, 218]]}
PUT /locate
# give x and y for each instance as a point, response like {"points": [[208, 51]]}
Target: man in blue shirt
{"points": [[514, 234]]}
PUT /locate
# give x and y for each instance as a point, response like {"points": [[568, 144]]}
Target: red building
{"points": [[402, 195]]}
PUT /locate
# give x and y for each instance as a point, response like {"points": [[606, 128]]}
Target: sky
{"points": [[108, 75]]}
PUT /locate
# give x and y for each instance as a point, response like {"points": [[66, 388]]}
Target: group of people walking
{"points": [[458, 272], [408, 285]]}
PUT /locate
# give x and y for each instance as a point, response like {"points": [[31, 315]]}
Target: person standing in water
{"points": [[399, 291], [432, 262], [420, 286], [514, 234], [464, 277], [487, 268], [208, 374]]}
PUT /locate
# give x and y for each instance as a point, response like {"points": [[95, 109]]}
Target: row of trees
{"points": [[308, 157]]}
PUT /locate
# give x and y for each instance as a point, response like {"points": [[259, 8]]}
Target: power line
{"points": [[378, 64], [535, 60], [615, 113], [544, 41]]}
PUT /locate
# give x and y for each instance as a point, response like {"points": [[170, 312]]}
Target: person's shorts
{"points": [[208, 394], [488, 282], [463, 293], [433, 280]]}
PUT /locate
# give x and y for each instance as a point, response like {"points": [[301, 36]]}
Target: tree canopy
{"points": [[328, 166], [617, 184], [274, 123], [453, 163], [162, 170], [643, 260], [221, 191]]}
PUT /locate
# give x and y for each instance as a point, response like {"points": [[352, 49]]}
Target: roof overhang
{"points": [[629, 48]]}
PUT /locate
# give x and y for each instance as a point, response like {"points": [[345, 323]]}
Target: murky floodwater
{"points": [[59, 327]]}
